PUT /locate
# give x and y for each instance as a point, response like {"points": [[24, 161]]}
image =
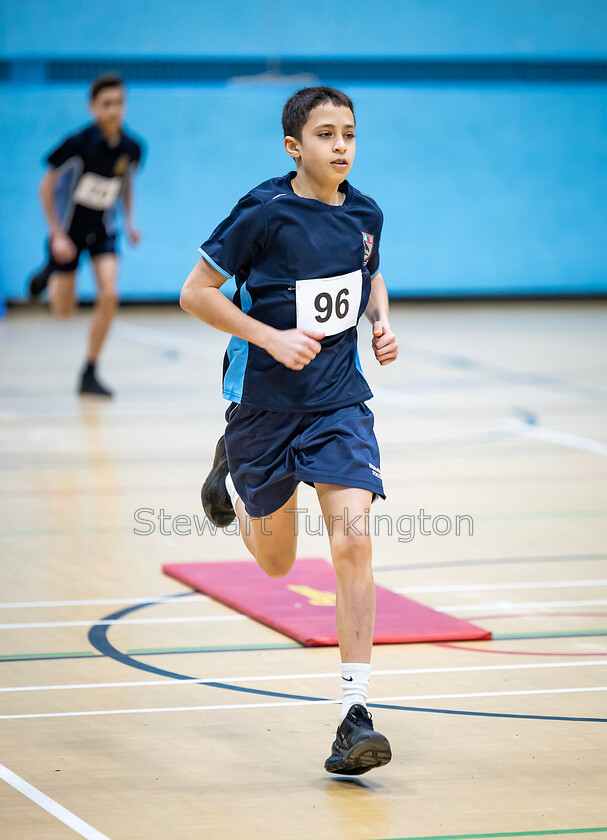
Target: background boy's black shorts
{"points": [[270, 452], [96, 242]]}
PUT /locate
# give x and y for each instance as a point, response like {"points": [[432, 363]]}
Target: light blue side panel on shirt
{"points": [[238, 354], [358, 364]]}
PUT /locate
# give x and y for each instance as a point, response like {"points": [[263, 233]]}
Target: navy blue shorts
{"points": [[96, 242], [270, 452]]}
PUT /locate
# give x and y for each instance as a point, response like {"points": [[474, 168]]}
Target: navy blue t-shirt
{"points": [[91, 176], [272, 240]]}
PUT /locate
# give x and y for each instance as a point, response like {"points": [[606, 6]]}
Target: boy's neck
{"points": [[306, 187], [112, 135]]}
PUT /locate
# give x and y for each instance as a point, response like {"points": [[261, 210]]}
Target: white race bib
{"points": [[97, 192], [329, 304]]}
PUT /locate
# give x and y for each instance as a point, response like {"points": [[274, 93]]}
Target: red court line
{"points": [[516, 652]]}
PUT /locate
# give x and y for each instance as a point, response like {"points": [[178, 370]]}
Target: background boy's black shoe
{"points": [[39, 281], [357, 747], [216, 501], [89, 384]]}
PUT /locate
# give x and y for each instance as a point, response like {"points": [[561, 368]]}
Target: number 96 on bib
{"points": [[328, 304]]}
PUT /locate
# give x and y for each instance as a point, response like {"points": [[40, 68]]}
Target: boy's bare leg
{"points": [[61, 293], [272, 539], [351, 554], [357, 747], [105, 267]]}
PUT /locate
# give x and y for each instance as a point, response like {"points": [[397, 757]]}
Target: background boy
{"points": [[304, 249], [89, 172]]}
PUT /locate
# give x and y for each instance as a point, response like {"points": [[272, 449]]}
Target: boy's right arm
{"points": [[62, 247], [201, 296]]}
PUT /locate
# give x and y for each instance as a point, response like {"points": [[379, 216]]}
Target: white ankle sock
{"points": [[354, 684], [232, 493]]}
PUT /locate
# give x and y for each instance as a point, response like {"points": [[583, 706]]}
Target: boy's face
{"points": [[108, 107], [327, 146]]}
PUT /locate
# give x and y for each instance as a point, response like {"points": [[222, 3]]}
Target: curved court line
{"points": [[97, 636]]}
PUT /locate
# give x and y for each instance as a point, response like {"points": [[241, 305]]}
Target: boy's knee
{"points": [[63, 309], [108, 298], [351, 551], [276, 564]]}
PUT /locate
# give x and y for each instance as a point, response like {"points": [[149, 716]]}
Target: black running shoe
{"points": [[357, 748], [216, 501], [39, 281], [90, 385]]}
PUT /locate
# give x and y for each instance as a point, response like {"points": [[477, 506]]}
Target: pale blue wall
{"points": [[486, 188], [550, 28]]}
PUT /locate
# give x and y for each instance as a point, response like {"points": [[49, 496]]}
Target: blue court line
{"points": [[98, 638]]}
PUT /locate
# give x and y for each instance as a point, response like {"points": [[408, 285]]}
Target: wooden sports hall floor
{"points": [[496, 411]]}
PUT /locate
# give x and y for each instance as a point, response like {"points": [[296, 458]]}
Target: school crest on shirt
{"points": [[121, 165], [368, 244]]}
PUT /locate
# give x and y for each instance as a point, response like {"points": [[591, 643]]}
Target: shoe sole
{"points": [[225, 515], [368, 754]]}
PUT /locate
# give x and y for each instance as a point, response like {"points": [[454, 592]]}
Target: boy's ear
{"points": [[292, 147]]}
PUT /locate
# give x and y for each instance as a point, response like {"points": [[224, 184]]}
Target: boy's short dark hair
{"points": [[297, 108], [107, 80]]}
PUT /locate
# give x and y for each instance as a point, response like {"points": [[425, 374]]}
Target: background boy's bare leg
{"points": [[351, 555], [61, 293], [105, 267]]}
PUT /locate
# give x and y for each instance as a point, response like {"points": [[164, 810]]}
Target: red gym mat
{"points": [[302, 604]]}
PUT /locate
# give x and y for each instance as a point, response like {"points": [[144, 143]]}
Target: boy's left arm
{"points": [[133, 234], [385, 345]]}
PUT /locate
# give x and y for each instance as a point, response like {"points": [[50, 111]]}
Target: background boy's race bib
{"points": [[329, 304], [97, 192]]}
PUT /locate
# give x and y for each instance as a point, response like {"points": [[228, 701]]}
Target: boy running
{"points": [[304, 249], [89, 172]]}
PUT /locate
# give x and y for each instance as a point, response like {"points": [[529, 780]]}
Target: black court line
{"points": [[98, 637]]}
